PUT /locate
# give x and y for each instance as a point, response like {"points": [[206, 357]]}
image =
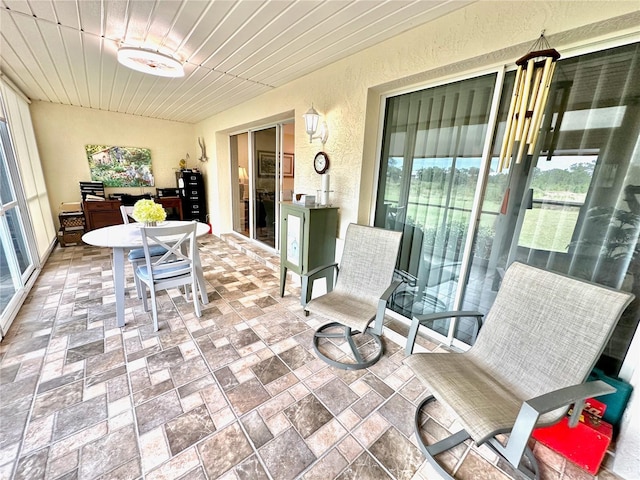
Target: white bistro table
{"points": [[125, 237]]}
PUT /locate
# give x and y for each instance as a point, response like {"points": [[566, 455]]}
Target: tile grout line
{"points": [[224, 394], [27, 423]]}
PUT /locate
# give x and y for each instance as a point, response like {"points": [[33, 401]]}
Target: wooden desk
{"points": [[100, 214], [171, 203]]}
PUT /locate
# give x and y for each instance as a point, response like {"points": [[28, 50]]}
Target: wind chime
{"points": [[530, 92]]}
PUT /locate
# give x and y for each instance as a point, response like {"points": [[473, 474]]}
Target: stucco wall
{"points": [[347, 93], [63, 131]]}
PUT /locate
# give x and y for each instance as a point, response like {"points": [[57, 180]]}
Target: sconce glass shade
{"points": [[148, 61], [311, 119], [242, 175]]}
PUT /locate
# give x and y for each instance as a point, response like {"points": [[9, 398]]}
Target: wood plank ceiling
{"points": [[232, 51]]}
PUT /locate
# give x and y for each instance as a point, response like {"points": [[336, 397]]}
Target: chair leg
{"points": [[137, 282], [143, 291], [441, 446], [194, 294], [347, 334], [154, 309]]}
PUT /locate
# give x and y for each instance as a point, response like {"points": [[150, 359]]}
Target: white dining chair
{"points": [[136, 255], [176, 268]]}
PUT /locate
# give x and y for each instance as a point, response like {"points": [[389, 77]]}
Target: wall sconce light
{"points": [[148, 61], [311, 123]]}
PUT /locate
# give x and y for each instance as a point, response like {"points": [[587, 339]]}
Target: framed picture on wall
{"points": [[287, 164], [120, 166], [266, 164]]}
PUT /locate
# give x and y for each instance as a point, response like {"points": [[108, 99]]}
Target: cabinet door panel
{"points": [[294, 241]]}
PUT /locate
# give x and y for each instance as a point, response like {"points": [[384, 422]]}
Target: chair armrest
{"points": [[576, 394], [307, 281], [423, 319], [545, 403], [382, 307], [389, 291], [317, 270]]}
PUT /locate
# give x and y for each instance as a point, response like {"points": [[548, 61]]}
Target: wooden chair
{"points": [[136, 255], [175, 268]]}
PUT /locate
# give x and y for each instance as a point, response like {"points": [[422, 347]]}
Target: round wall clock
{"points": [[321, 162]]}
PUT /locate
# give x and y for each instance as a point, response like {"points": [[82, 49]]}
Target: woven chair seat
{"points": [[483, 404], [346, 309]]}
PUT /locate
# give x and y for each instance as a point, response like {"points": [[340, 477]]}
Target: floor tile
{"points": [[270, 369], [157, 411], [234, 394], [224, 450], [188, 428], [336, 395], [108, 452], [79, 416], [32, 466], [258, 431], [298, 456], [397, 454], [364, 468], [308, 415], [247, 396]]}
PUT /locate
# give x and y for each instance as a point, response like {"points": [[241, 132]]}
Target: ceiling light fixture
{"points": [[148, 61]]}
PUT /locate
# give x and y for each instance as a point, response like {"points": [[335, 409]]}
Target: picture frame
{"points": [[287, 165], [267, 164], [117, 166]]}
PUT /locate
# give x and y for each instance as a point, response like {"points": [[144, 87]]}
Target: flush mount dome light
{"points": [[148, 61]]}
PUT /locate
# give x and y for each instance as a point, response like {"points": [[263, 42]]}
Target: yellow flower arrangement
{"points": [[148, 212]]}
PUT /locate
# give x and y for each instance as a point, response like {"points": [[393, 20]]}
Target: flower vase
{"points": [[150, 224]]}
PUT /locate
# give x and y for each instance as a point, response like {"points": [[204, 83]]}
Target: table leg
{"points": [[118, 284], [202, 286]]}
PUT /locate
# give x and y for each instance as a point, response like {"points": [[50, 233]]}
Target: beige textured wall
{"points": [[347, 93], [63, 131]]}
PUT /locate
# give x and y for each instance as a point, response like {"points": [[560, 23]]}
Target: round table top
{"points": [[128, 235]]}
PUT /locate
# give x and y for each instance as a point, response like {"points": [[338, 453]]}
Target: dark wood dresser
{"points": [[99, 214]]}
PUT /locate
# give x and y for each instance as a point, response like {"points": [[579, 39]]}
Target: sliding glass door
{"points": [[572, 207], [16, 261], [266, 172], [432, 155], [264, 166]]}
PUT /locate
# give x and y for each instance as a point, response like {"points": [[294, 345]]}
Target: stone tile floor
{"points": [[236, 394]]}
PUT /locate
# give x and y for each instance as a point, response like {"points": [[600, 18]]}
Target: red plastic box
{"points": [[585, 445]]}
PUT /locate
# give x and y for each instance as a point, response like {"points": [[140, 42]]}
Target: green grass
{"points": [[548, 229]]}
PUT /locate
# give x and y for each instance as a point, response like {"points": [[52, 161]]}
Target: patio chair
{"points": [[419, 272], [136, 255], [363, 286], [173, 269], [540, 340]]}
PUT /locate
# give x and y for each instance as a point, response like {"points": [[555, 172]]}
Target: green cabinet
{"points": [[307, 241]]}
